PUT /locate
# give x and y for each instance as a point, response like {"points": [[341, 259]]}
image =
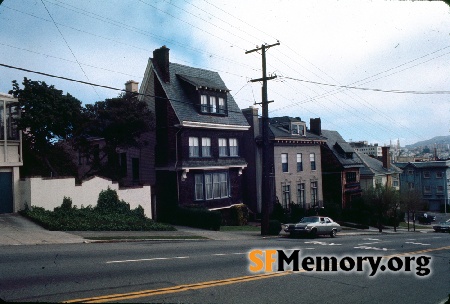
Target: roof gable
{"points": [[183, 105]]}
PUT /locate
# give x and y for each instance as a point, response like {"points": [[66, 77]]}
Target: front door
{"points": [[6, 193]]}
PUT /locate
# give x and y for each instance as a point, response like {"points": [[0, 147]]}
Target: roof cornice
{"points": [[204, 125]]}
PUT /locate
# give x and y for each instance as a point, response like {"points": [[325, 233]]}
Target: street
{"points": [[218, 271]]}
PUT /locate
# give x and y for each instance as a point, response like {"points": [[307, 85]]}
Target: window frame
{"points": [[213, 103], [284, 162], [194, 150], [299, 163], [206, 147], [312, 160], [301, 194], [314, 192], [351, 177], [223, 147], [286, 194], [233, 149], [211, 186]]}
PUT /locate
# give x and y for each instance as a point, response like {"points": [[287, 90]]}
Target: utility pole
{"points": [[267, 164]]}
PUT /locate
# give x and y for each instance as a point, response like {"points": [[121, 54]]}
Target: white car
{"points": [[313, 226]]}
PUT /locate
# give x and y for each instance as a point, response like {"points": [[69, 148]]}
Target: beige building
{"points": [[297, 169], [10, 154]]}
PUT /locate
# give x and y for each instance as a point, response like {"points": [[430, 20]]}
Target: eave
{"points": [[203, 125]]}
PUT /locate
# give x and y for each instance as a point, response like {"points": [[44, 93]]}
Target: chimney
{"points": [[161, 61], [131, 86], [386, 158], [251, 114], [315, 126]]}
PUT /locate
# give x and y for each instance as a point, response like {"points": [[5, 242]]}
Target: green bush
{"points": [[274, 227], [108, 202], [237, 215], [198, 217], [70, 218]]}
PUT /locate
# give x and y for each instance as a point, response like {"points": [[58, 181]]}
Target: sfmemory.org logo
{"points": [[270, 260]]}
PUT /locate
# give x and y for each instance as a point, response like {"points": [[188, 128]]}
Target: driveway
{"points": [[18, 230]]}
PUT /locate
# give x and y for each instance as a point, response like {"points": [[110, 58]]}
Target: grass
{"points": [[239, 228], [405, 225], [146, 237]]}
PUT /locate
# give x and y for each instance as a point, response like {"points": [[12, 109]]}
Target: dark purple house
{"points": [[199, 133]]}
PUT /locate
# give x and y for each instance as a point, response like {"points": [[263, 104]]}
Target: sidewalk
{"points": [[18, 230]]}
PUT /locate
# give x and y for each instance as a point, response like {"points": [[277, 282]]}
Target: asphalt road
{"points": [[218, 271]]}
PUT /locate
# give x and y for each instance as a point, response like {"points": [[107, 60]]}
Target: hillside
{"points": [[430, 142]]}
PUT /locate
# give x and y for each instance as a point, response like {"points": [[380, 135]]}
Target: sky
{"points": [[377, 71]]}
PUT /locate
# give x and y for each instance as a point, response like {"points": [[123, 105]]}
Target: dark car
{"points": [[424, 218], [442, 226], [313, 226]]}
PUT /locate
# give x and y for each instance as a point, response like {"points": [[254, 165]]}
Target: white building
{"points": [[10, 154]]}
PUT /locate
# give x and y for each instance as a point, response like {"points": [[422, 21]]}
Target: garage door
{"points": [[6, 197]]}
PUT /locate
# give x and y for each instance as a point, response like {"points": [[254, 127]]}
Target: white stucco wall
{"points": [[50, 192]]}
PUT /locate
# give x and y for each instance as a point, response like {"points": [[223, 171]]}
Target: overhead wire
{"points": [[241, 76], [68, 46], [96, 85]]}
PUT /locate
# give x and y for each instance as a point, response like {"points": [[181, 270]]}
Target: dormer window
{"points": [[298, 129], [212, 104]]}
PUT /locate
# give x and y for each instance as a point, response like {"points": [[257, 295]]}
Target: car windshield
{"points": [[309, 220]]}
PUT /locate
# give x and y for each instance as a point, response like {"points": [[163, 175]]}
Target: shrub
{"points": [[274, 227], [106, 218], [67, 203], [108, 202], [237, 215], [198, 217]]}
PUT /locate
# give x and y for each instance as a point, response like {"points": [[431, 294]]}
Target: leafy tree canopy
{"points": [[47, 115]]}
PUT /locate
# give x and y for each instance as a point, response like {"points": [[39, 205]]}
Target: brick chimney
{"points": [[161, 61], [386, 158], [131, 86], [315, 126]]}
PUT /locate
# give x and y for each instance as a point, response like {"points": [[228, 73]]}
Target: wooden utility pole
{"points": [[267, 164]]}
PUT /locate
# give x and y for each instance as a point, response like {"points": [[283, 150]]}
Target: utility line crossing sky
{"points": [[371, 70]]}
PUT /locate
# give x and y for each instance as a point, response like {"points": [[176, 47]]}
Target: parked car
{"points": [[425, 218], [442, 226], [313, 226]]}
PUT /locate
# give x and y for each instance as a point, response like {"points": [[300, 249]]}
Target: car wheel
{"points": [[333, 233]]}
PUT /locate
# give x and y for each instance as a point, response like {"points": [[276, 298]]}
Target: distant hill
{"points": [[430, 142]]}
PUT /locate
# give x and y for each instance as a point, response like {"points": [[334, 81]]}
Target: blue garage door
{"points": [[6, 197]]}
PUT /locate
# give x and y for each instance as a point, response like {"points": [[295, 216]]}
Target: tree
{"points": [[47, 117], [411, 201], [380, 200], [121, 122]]}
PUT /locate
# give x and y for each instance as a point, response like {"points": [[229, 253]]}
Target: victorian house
{"points": [[296, 158], [199, 134], [379, 172], [340, 167], [431, 180]]}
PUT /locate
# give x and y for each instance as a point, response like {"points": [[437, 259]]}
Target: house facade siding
{"points": [[294, 179], [190, 170], [431, 179]]}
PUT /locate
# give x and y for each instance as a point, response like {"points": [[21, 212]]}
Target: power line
{"points": [[96, 85], [68, 46], [367, 89]]}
